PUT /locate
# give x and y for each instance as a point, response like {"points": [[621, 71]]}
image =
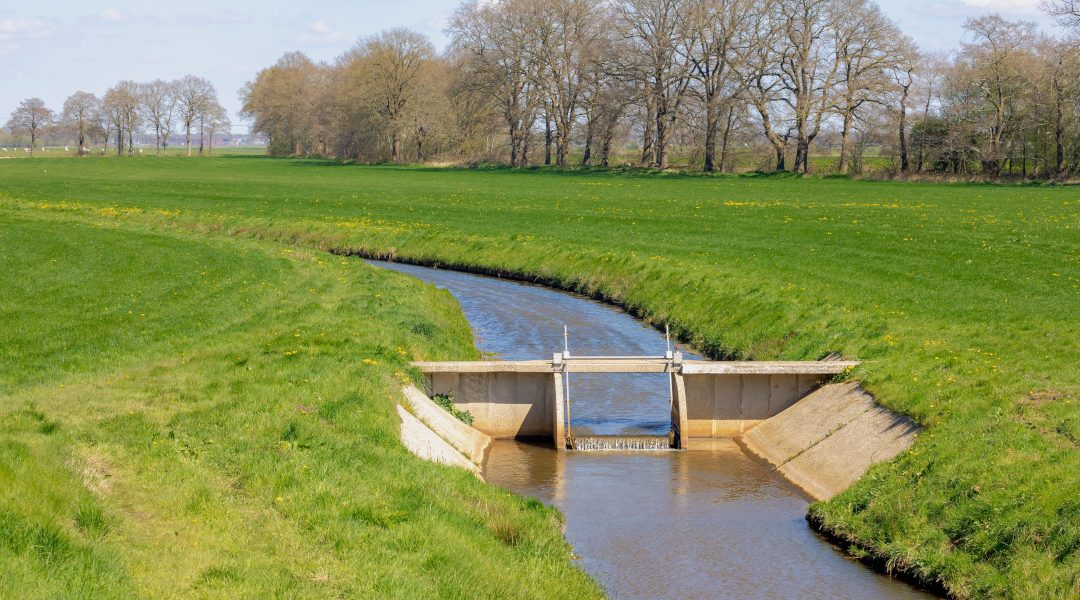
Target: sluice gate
{"points": [[708, 399]]}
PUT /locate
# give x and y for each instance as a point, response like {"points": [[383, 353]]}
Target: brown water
{"points": [[708, 522]]}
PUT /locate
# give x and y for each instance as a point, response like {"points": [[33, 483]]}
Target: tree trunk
{"points": [[1059, 136], [562, 150], [725, 144], [905, 166], [525, 148], [547, 139], [648, 153], [513, 146], [188, 138], [712, 121], [663, 135], [586, 158], [395, 147], [845, 143]]}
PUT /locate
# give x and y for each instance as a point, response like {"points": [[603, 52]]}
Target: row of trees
{"points": [[188, 104], [702, 80]]}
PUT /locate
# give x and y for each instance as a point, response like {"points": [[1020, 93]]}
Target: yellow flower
{"points": [[370, 361]]}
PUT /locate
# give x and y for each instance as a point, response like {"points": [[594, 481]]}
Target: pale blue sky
{"points": [[51, 48]]}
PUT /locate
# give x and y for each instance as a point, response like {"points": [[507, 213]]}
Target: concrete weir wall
{"points": [[709, 399], [726, 406], [505, 403], [820, 436]]}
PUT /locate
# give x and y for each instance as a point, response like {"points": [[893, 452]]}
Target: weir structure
{"points": [[709, 399]]}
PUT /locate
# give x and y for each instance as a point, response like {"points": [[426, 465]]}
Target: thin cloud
{"points": [[320, 32], [111, 15], [1011, 6], [16, 33]]}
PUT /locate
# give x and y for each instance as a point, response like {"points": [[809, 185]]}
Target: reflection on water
{"points": [[705, 523]]}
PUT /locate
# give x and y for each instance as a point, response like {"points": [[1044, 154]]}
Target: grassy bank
{"points": [[961, 299], [193, 416]]}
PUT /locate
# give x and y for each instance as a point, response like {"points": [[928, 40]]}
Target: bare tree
{"points": [[30, 118], [499, 36], [904, 77], [720, 43], [214, 119], [659, 32], [121, 105], [1067, 12], [994, 65], [193, 95], [389, 67], [762, 82], [867, 45], [283, 102], [158, 100], [809, 65], [80, 114], [568, 33]]}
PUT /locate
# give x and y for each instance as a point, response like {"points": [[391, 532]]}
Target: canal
{"points": [[708, 522]]}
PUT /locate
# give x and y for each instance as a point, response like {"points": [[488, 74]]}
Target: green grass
{"points": [[193, 416], [961, 300]]}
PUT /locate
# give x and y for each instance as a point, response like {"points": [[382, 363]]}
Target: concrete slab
{"points": [[426, 444], [470, 442], [827, 440]]}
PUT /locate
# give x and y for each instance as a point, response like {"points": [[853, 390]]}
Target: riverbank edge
{"points": [[864, 552], [872, 557]]}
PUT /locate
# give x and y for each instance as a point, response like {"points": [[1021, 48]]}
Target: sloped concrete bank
{"points": [[829, 439], [433, 434]]}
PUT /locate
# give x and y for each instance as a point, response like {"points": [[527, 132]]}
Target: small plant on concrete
{"points": [[447, 402]]}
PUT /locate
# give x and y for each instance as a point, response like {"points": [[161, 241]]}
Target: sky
{"points": [[52, 48]]}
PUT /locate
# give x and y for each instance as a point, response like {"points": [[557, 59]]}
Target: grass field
{"points": [[962, 300], [193, 416]]}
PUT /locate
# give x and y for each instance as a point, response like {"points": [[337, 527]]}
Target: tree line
{"points": [[163, 108], [711, 82]]}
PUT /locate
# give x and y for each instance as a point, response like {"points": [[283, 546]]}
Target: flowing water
{"points": [[709, 522]]}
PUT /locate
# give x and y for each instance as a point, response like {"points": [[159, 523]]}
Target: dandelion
{"points": [[370, 361]]}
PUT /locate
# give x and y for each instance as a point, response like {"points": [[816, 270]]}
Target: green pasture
{"points": [[962, 301], [212, 417]]}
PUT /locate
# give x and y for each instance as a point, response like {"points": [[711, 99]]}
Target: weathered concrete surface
{"points": [[711, 399], [467, 440], [726, 403], [425, 443], [679, 420], [504, 404], [829, 439]]}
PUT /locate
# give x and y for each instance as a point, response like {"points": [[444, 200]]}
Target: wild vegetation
{"points": [[960, 300]]}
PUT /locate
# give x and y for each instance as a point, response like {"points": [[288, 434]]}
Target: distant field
{"points": [[962, 300], [140, 151]]}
